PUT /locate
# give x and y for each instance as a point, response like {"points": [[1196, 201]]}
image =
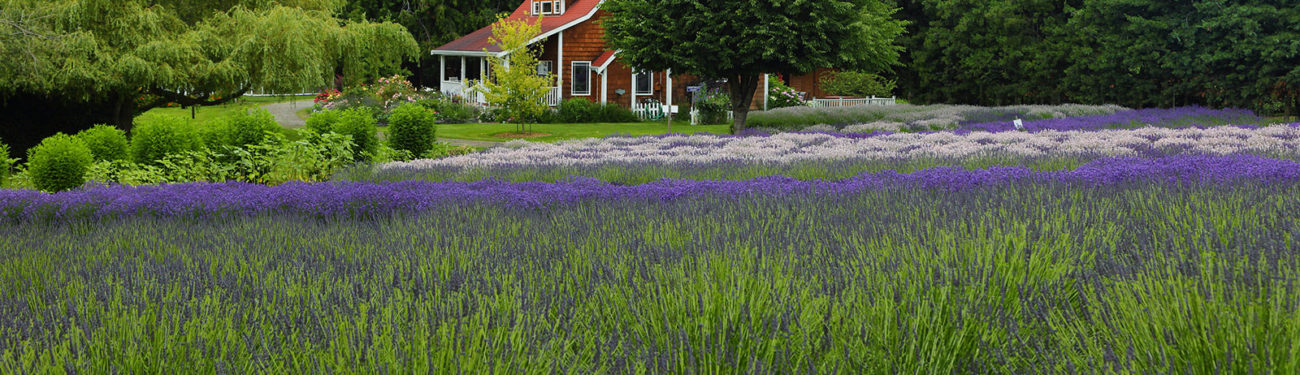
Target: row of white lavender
{"points": [[1273, 141]]}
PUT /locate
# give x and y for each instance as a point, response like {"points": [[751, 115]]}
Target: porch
{"points": [[460, 91]]}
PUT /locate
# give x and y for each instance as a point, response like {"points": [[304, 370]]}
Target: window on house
{"points": [[581, 78], [545, 67], [645, 83], [541, 7]]}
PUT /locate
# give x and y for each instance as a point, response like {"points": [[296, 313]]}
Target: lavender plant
{"points": [[1037, 276], [828, 156], [367, 200]]}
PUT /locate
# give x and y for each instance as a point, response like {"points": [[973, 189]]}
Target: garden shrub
{"points": [[411, 128], [713, 108], [106, 143], [249, 128], [780, 95], [126, 173], [59, 163], [579, 111], [612, 112], [450, 112], [153, 140], [6, 163], [214, 135], [361, 126], [857, 84], [546, 116], [323, 122]]}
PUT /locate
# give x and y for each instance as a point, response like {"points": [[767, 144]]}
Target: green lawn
{"points": [[206, 114], [560, 132]]}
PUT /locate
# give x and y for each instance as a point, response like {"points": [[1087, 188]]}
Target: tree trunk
{"points": [[124, 113], [742, 96]]}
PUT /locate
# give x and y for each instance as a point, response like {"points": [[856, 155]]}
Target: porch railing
{"points": [[474, 97], [553, 97]]}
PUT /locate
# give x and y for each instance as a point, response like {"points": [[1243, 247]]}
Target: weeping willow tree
{"points": [[117, 58]]}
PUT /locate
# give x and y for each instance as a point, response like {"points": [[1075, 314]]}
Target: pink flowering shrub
{"points": [[780, 96]]}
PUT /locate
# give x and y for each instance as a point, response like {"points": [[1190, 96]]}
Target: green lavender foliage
{"points": [[1029, 279], [106, 143], [59, 163], [411, 128]]}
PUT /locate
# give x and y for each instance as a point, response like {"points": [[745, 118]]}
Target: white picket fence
{"points": [[695, 116], [652, 111], [820, 103]]}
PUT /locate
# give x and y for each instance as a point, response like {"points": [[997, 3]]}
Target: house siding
{"points": [[583, 42]]}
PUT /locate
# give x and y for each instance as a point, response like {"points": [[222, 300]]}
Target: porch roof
{"points": [[603, 61], [475, 43]]}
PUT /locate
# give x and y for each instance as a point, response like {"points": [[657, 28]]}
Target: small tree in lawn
{"points": [[514, 85], [742, 40]]}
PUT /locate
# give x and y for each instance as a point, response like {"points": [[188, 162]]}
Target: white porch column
{"points": [[604, 86], [766, 90], [442, 71], [462, 72], [632, 102], [559, 65], [668, 96]]}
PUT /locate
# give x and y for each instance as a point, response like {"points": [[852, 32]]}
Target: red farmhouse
{"points": [[573, 48]]}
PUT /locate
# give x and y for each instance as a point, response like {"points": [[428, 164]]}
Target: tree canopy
{"points": [[1137, 53], [741, 40], [432, 22], [126, 56]]}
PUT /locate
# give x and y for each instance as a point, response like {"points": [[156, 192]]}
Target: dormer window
{"points": [[541, 7]]}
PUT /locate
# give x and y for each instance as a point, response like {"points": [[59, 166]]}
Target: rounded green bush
{"points": [[153, 140], [248, 128], [612, 112], [579, 111], [59, 163], [411, 127], [361, 125], [323, 122], [106, 143]]}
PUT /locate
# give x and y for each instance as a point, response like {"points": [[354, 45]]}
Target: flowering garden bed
{"points": [[1148, 250]]}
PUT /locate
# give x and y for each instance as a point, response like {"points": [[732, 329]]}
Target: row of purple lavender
{"points": [[368, 199]]}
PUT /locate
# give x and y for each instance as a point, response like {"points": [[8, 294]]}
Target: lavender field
{"points": [[1089, 249]]}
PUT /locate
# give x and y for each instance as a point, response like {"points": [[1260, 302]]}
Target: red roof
{"points": [[603, 59], [478, 41]]}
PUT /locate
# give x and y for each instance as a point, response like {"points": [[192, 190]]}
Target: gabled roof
{"points": [[474, 43], [603, 61]]}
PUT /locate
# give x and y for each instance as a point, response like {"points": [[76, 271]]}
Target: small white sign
{"points": [[1020, 125]]}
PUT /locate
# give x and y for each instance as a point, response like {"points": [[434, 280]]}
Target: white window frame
{"points": [[550, 67], [649, 87], [573, 87], [557, 7]]}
